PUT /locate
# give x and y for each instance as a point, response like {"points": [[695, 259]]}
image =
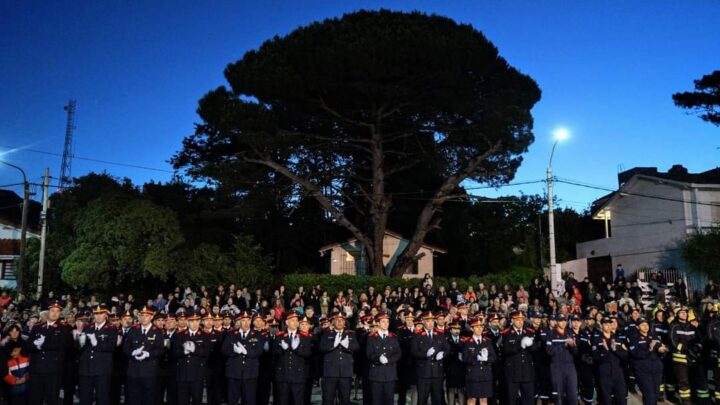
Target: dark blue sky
{"points": [[607, 71]]}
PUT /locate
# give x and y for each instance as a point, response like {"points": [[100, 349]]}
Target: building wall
{"points": [[646, 232], [342, 262]]}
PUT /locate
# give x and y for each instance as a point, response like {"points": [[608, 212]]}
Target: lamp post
{"points": [[555, 272], [23, 226]]}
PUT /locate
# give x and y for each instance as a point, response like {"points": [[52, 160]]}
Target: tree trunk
{"points": [[427, 221]]}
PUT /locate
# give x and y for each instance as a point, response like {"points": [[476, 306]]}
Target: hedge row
{"points": [[334, 283]]}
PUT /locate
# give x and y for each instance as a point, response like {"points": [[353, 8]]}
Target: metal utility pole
{"points": [[43, 231], [66, 166], [23, 231], [555, 276]]}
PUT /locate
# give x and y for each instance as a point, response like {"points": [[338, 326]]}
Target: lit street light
{"points": [[560, 135]]}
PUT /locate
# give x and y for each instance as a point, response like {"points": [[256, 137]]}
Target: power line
{"points": [[639, 194], [134, 166]]}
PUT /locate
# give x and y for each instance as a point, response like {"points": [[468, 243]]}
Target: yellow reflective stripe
{"points": [[680, 347]]}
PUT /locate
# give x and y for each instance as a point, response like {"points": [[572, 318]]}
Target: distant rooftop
{"points": [[677, 173]]}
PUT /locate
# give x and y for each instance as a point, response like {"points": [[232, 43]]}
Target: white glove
{"points": [[460, 356], [383, 359], [345, 342], [39, 341], [119, 340], [296, 342], [93, 339], [236, 347], [266, 346], [191, 346], [81, 338], [440, 356], [166, 343], [137, 351], [338, 339], [284, 345], [142, 356], [430, 352], [483, 356], [526, 342]]}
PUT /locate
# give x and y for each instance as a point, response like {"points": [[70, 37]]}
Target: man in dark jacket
{"points": [[97, 343], [337, 346], [47, 344], [383, 353], [191, 349], [144, 346], [516, 345], [428, 348], [242, 349], [291, 348]]}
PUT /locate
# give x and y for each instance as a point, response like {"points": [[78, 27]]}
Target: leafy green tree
{"points": [[701, 252], [207, 264], [705, 100], [343, 110], [121, 241]]}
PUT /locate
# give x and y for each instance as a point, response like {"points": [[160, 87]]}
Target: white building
{"points": [[348, 257], [648, 217], [10, 229]]}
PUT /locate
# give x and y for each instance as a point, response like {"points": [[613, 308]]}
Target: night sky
{"points": [[607, 71]]}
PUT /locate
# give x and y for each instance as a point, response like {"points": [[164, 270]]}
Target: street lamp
{"points": [[23, 231], [560, 135]]}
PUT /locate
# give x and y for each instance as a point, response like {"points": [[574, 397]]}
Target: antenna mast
{"points": [[66, 166]]}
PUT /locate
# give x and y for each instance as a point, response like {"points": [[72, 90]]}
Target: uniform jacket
{"points": [[98, 360], [377, 346], [243, 366], [152, 342], [518, 361], [338, 360], [50, 358], [191, 366], [291, 364], [429, 367], [608, 362], [556, 348], [644, 359], [476, 370]]}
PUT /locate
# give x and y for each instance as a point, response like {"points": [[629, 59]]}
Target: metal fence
{"points": [[695, 283]]}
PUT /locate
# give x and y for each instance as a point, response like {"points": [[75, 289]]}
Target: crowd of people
{"points": [[439, 343]]}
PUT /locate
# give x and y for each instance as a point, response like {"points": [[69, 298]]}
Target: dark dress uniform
{"points": [[191, 368], [215, 364], [713, 339], [142, 374], [266, 368], [167, 389], [242, 370], [562, 366], [408, 377], [648, 366], [429, 368], [291, 366], [47, 362], [479, 378], [337, 371], [518, 364], [609, 369], [454, 366], [70, 378], [118, 381], [382, 375], [96, 363]]}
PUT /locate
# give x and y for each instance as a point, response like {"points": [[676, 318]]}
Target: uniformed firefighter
{"points": [[428, 348], [382, 352], [292, 348], [609, 355], [516, 346], [478, 354], [337, 347], [454, 366], [144, 346], [191, 349], [561, 346], [97, 343], [646, 351], [683, 340], [242, 349]]}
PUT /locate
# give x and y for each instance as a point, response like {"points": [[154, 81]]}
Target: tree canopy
{"points": [[705, 100], [346, 111], [701, 251]]}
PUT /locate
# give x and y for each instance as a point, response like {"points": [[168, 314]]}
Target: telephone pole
{"points": [[43, 230]]}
